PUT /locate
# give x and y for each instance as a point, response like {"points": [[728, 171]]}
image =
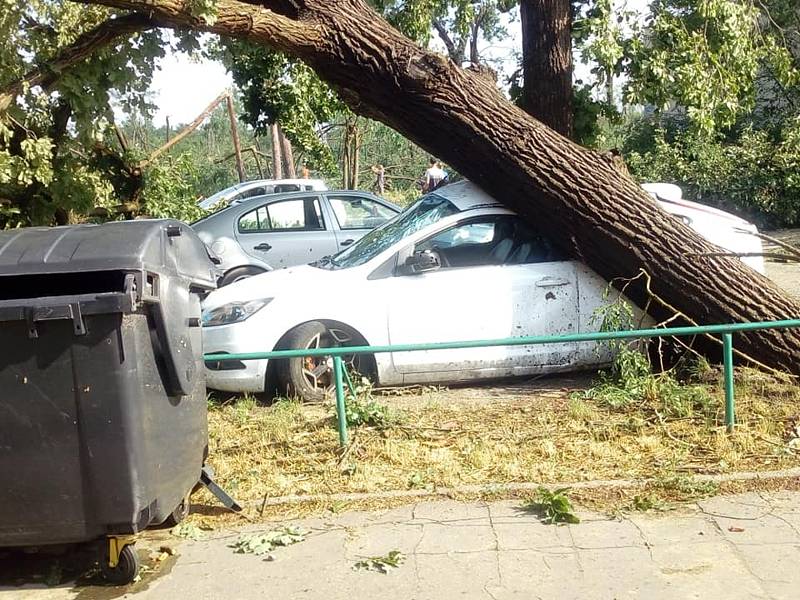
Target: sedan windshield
{"points": [[427, 210]]}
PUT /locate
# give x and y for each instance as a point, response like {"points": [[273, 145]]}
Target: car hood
{"points": [[295, 280]]}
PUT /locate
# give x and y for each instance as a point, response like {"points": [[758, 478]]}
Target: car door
{"points": [[356, 215], [495, 281], [285, 232]]}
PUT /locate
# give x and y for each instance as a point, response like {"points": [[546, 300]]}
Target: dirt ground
{"points": [[502, 432]]}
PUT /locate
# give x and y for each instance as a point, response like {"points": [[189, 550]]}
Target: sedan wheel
{"points": [[311, 377]]}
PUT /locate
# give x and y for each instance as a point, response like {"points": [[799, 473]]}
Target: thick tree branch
{"points": [[83, 47], [266, 20]]}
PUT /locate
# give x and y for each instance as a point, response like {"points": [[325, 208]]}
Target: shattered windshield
{"points": [[427, 210]]}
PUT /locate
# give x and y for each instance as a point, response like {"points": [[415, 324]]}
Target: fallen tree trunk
{"points": [[598, 214]]}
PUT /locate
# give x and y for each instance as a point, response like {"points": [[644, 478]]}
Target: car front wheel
{"points": [[310, 378]]}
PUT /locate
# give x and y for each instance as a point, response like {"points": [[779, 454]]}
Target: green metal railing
{"points": [[340, 374]]}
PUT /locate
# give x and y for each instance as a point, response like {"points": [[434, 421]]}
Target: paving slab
{"points": [[745, 546]]}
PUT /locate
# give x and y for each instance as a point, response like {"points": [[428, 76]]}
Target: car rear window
{"points": [[355, 212]]}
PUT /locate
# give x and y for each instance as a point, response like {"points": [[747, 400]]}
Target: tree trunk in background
{"points": [[287, 155], [592, 210], [350, 154], [547, 62], [237, 146], [345, 160], [355, 157], [277, 162], [609, 85]]}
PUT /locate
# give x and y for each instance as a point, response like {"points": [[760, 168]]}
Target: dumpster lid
{"points": [[156, 245]]}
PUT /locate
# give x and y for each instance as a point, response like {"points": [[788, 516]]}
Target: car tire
{"points": [[311, 378], [238, 274]]}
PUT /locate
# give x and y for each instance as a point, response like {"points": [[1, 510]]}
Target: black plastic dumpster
{"points": [[103, 427]]}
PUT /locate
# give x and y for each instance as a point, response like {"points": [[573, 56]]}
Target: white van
{"points": [[259, 187]]}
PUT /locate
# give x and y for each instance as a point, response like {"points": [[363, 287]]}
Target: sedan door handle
{"points": [[347, 242], [552, 282], [264, 247]]}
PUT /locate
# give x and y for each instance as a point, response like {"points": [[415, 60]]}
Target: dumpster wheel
{"points": [[181, 511], [120, 563]]}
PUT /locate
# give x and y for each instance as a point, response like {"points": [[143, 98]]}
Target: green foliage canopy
{"points": [[56, 139], [703, 56]]}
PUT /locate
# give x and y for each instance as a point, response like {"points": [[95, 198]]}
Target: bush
{"points": [[170, 189], [755, 172], [630, 380]]}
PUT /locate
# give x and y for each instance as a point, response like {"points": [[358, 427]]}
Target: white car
{"points": [[259, 187], [456, 265], [718, 227]]}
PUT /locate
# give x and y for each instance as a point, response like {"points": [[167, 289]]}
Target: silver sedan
{"points": [[283, 230]]}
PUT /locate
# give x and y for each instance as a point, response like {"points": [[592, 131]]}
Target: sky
{"points": [[183, 87]]}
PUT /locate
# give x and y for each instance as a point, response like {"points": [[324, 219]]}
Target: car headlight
{"points": [[233, 312]]}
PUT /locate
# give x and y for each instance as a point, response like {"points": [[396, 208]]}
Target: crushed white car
{"points": [[457, 265], [259, 187]]}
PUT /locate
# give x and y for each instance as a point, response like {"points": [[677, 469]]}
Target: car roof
{"points": [[670, 196], [317, 184], [257, 182], [465, 195]]}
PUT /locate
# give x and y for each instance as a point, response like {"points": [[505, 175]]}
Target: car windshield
{"points": [[427, 210]]}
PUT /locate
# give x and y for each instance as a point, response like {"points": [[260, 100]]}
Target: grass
{"points": [[441, 438]]}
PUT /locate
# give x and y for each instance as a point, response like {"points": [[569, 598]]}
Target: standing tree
{"points": [[547, 62], [600, 215]]}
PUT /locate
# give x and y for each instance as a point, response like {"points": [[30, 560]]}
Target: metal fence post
{"points": [[341, 417], [727, 361]]}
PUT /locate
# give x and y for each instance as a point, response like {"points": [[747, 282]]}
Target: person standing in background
{"points": [[380, 178], [434, 176]]}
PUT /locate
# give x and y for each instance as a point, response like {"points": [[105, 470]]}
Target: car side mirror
{"points": [[422, 262]]}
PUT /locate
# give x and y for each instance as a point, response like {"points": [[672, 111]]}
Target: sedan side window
{"points": [[354, 212], [284, 215], [530, 246], [255, 220], [469, 244], [497, 240]]}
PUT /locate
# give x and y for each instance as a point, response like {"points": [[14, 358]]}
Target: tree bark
{"points": [[547, 62], [596, 213]]}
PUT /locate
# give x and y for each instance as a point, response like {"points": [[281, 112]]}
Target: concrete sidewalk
{"points": [[745, 546]]}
